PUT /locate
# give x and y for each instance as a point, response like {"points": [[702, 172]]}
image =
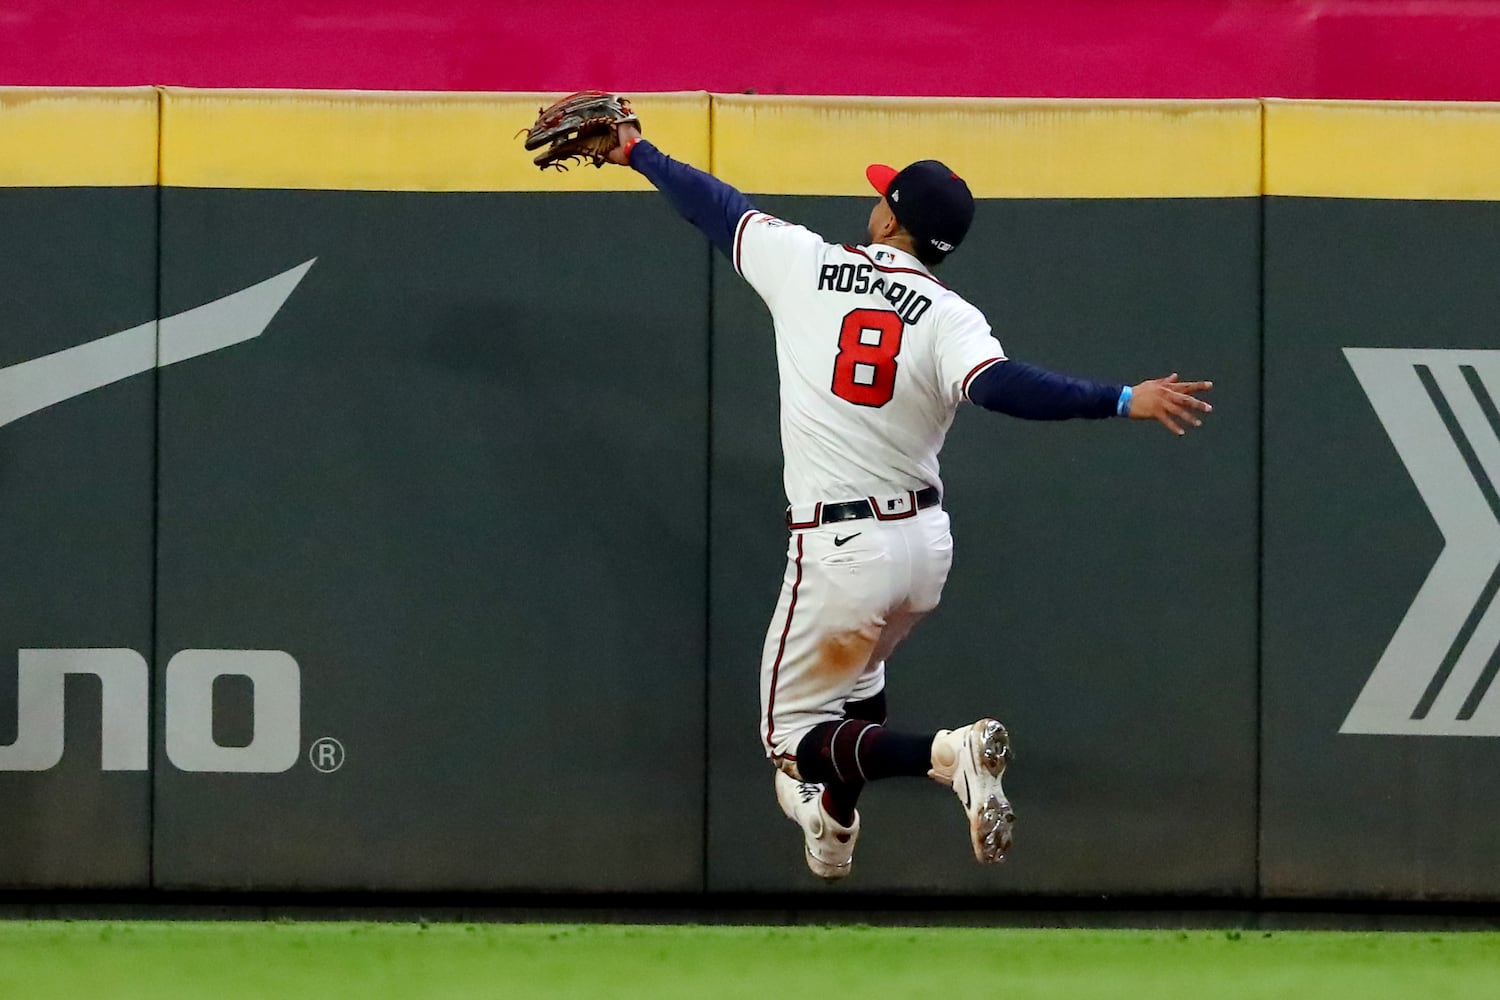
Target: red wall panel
{"points": [[1428, 49]]}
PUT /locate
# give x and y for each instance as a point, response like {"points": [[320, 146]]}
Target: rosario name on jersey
{"points": [[875, 355]]}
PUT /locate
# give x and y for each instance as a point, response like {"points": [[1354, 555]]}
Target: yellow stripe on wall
{"points": [[386, 141], [1383, 150], [1003, 148], [359, 140], [84, 137]]}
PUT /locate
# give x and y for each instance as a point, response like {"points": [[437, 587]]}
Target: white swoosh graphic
{"points": [[244, 315], [1471, 543]]}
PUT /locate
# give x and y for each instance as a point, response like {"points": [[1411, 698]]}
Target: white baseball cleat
{"points": [[972, 760], [830, 844]]}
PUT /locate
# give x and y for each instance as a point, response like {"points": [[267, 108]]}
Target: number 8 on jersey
{"points": [[865, 370]]}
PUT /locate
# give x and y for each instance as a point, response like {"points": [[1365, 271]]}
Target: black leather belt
{"points": [[854, 510]]}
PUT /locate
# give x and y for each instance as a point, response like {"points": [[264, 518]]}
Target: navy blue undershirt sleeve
{"points": [[701, 198], [1021, 390]]}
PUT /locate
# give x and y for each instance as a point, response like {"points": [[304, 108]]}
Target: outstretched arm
{"points": [[1033, 393], [701, 198]]}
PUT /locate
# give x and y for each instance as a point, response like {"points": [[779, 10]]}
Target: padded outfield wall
{"points": [[384, 565]]}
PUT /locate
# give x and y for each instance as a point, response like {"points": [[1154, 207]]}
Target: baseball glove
{"points": [[581, 126]]}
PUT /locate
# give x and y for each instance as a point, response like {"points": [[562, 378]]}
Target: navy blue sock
{"points": [[870, 709], [843, 755]]}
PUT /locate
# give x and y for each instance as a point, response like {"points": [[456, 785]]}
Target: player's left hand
{"points": [[582, 126], [1167, 401], [625, 133]]}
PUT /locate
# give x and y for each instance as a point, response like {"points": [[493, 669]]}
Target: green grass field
{"points": [[83, 960]]}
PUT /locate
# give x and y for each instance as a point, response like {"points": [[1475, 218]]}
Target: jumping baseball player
{"points": [[875, 354]]}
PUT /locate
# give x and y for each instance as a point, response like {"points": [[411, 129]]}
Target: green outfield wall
{"points": [[380, 513]]}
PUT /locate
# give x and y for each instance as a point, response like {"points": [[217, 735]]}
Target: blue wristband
{"points": [[1122, 408]]}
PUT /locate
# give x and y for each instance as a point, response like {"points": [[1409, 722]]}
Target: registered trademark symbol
{"points": [[326, 754]]}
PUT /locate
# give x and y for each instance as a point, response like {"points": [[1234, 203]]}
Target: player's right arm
{"points": [[975, 367], [1034, 393]]}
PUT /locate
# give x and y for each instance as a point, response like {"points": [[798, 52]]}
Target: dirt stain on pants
{"points": [[847, 652]]}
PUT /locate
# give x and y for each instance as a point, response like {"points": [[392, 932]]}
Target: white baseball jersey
{"points": [[875, 355]]}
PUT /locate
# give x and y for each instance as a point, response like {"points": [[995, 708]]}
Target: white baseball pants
{"points": [[852, 592]]}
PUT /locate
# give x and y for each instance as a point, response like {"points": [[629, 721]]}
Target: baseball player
{"points": [[875, 354]]}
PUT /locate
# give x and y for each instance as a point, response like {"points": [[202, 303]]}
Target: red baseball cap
{"points": [[929, 200]]}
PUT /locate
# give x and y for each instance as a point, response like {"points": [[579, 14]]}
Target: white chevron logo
{"points": [[1437, 675], [41, 382]]}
